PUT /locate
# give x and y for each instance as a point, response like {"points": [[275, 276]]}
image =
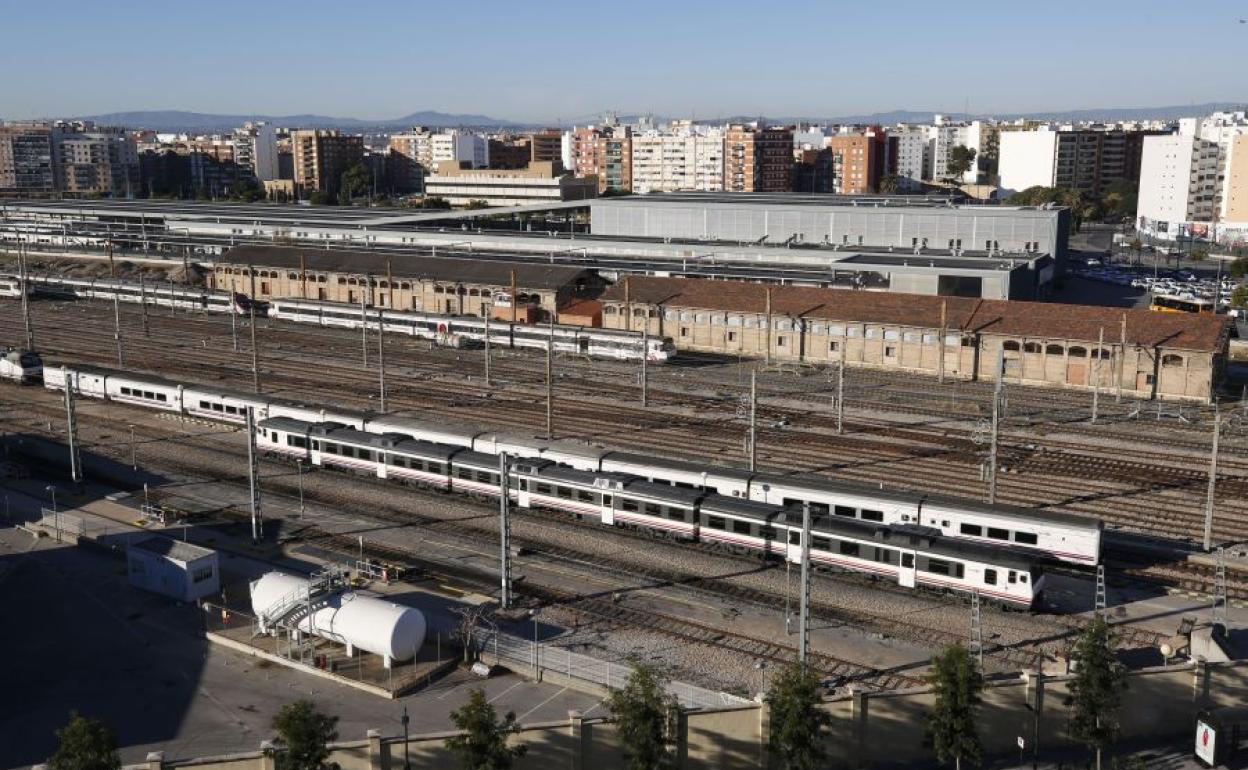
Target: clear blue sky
{"points": [[538, 61]]}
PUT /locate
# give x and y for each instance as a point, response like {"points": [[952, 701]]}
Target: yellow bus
{"points": [[1170, 304]]}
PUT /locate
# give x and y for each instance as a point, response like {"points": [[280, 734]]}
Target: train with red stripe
{"points": [[910, 555]]}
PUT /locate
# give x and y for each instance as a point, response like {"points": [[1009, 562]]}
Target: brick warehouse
{"points": [[1145, 354]]}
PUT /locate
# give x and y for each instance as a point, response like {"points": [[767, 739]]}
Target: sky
{"points": [[562, 61]]}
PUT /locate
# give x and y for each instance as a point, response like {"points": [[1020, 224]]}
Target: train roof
{"points": [[402, 424], [476, 459], [879, 492], [103, 371], [642, 488], [289, 424], [685, 466], [443, 452]]}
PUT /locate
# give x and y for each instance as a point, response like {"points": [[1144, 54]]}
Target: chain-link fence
{"points": [[533, 655]]}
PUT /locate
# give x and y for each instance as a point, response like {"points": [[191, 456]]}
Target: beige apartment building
{"points": [[321, 157], [1145, 354], [27, 158], [1237, 181]]}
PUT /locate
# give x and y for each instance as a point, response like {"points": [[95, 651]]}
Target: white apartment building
{"points": [[913, 156], [428, 148], [255, 148], [1191, 184], [684, 159], [944, 136], [1027, 159], [1178, 185]]}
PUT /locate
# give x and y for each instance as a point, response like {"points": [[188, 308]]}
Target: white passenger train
{"points": [[153, 293], [909, 555], [22, 366], [1061, 536], [11, 287], [462, 331]]}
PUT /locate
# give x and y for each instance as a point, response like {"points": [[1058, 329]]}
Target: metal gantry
{"points": [[1219, 589], [1102, 593], [803, 628], [753, 420], [977, 631], [71, 426], [1213, 479]]}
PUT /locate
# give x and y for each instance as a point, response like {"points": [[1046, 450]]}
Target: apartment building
{"points": [[104, 162], [605, 152], [27, 159], [977, 135], [546, 146], [758, 158], [255, 150], [1179, 185], [1235, 205], [911, 153], [321, 157], [416, 153], [683, 158], [1087, 160], [510, 152], [858, 161]]}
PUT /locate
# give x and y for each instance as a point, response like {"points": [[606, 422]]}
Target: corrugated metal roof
{"points": [[173, 549], [466, 270], [1041, 320]]}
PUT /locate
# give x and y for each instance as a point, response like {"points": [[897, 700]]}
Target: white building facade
{"points": [[687, 159]]}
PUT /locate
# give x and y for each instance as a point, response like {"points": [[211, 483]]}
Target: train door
{"points": [[608, 509], [794, 551], [905, 572], [522, 493], [383, 467]]}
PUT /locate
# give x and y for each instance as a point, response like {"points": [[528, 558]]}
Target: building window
{"points": [[780, 341], [684, 331], [833, 347], [890, 351]]}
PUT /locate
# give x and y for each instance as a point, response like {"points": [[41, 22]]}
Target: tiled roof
{"points": [[466, 270], [1040, 320]]}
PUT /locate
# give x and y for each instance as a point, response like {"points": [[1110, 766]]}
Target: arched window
{"points": [[295, 277], [1172, 360], [475, 293], [1011, 345], [1078, 352], [439, 290], [1031, 347], [1101, 353], [1054, 350], [607, 310]]}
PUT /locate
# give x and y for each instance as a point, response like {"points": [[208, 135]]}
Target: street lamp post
{"points": [[407, 762], [533, 615], [761, 665], [134, 458]]}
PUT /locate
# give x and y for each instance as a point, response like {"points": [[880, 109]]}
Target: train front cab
{"points": [[1222, 736]]}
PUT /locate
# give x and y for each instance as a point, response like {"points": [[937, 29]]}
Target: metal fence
{"points": [[537, 656]]}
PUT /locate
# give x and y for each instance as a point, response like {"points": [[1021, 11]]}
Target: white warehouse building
{"points": [[173, 568]]}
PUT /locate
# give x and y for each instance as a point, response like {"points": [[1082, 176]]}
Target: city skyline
{"points": [[532, 68]]}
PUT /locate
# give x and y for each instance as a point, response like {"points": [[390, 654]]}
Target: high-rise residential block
{"points": [[96, 162], [255, 150], [1087, 160], [321, 157], [27, 159], [683, 158], [858, 161], [758, 158]]}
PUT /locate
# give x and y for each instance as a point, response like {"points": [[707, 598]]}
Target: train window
{"points": [[1026, 538], [990, 577], [653, 510], [1022, 577], [331, 448], [1013, 577], [365, 454], [872, 515], [905, 517], [845, 510], [204, 405], [629, 505], [715, 522], [907, 560], [564, 492], [848, 548], [740, 527], [465, 473], [998, 534], [820, 509], [769, 533], [606, 500], [485, 476], [677, 514], [585, 497], [795, 537], [435, 467], [820, 543], [316, 445], [945, 524], [974, 530], [793, 501], [885, 556]]}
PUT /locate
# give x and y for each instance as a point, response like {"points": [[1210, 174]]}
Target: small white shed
{"points": [[173, 568]]}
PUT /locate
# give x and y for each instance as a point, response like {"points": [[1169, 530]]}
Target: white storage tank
{"points": [[359, 621]]}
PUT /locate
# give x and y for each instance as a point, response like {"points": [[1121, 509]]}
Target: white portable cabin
{"points": [[173, 568]]}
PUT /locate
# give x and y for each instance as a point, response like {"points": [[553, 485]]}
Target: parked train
{"points": [[460, 331], [1049, 534], [910, 555], [11, 287], [23, 366], [154, 293]]}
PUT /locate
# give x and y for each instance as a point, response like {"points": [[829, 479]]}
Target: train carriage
{"points": [[474, 473], [223, 404], [420, 462], [730, 482], [284, 437], [440, 432], [21, 366]]}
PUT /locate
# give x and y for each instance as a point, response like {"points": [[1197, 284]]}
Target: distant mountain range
{"points": [[179, 120], [182, 121]]}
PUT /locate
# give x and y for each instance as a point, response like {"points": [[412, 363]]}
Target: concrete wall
{"points": [[867, 730]]}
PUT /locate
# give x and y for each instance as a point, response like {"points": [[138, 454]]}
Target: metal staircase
{"points": [[302, 603]]}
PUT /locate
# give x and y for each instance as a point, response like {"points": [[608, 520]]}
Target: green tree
{"points": [[355, 181], [1198, 255], [951, 723], [434, 202], [798, 719], [482, 741], [643, 713], [890, 183], [85, 744], [961, 160], [303, 736], [477, 203], [1097, 689], [1239, 297], [1239, 268], [320, 198]]}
